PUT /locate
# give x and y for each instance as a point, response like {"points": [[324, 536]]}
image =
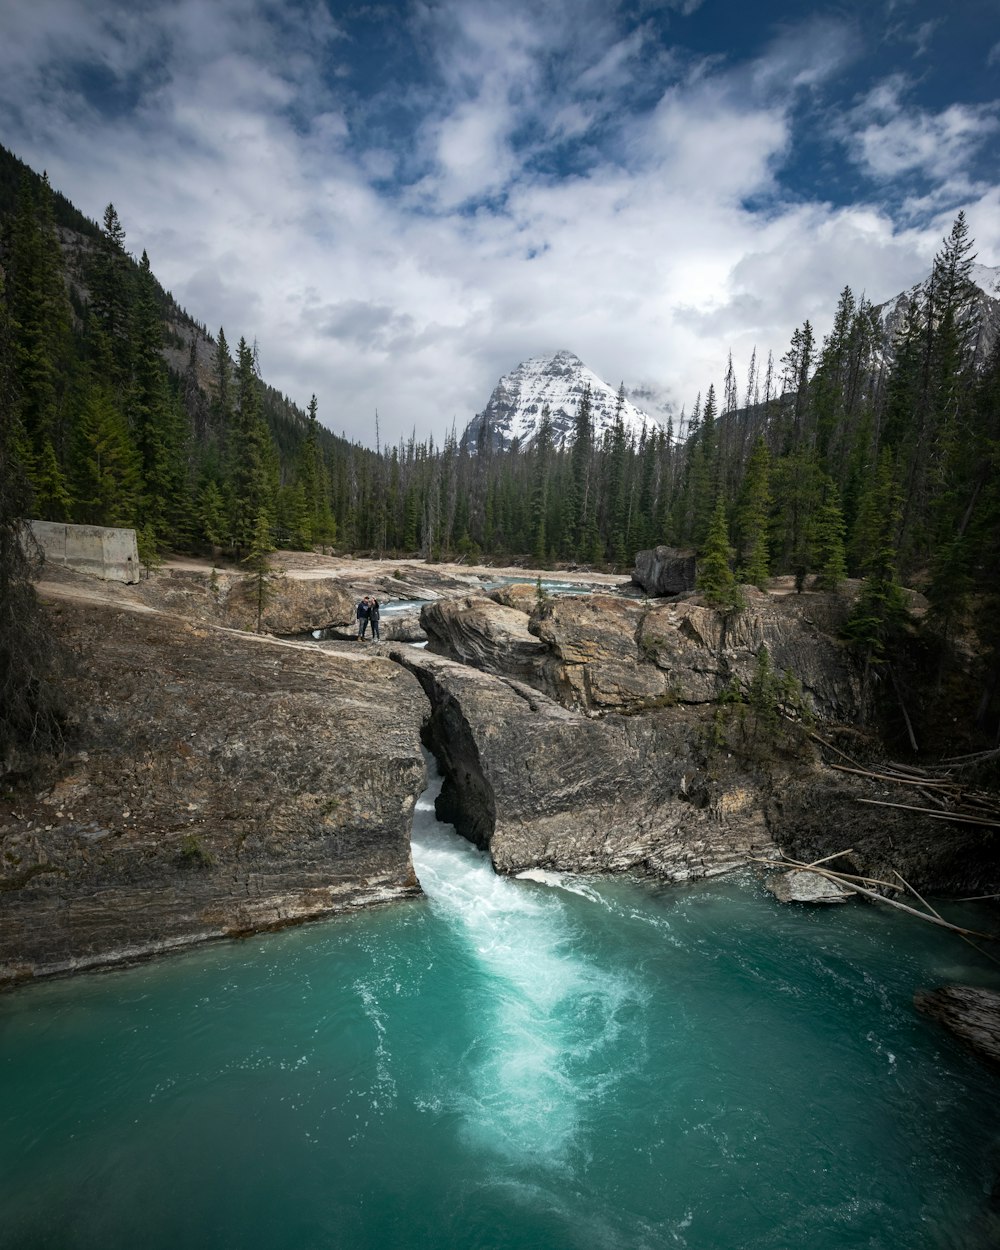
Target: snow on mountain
{"points": [[985, 314], [515, 407]]}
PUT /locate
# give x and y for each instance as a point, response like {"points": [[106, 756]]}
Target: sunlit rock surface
{"points": [[217, 783]]}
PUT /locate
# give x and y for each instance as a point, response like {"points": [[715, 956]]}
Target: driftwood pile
{"points": [[946, 795], [869, 887]]}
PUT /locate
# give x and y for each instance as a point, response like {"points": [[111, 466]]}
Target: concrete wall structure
{"points": [[110, 554]]}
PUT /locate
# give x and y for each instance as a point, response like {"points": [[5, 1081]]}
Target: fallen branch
{"points": [[881, 898], [965, 817], [914, 780], [826, 858], [793, 865], [829, 745], [935, 912], [975, 758]]}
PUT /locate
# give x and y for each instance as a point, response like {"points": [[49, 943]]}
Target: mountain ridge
{"points": [[558, 380]]}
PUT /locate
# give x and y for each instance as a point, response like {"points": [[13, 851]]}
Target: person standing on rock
{"points": [[373, 617], [363, 615]]}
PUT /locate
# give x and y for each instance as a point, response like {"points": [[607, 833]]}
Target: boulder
{"points": [[802, 886], [970, 1012], [484, 634], [665, 571], [294, 605], [402, 626], [217, 783], [521, 595], [593, 659], [539, 785]]}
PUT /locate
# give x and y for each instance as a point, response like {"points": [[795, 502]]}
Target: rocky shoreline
{"points": [[221, 782]]}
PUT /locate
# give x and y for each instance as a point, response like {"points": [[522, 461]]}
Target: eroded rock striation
{"points": [[218, 783], [602, 653], [972, 1013], [541, 785]]}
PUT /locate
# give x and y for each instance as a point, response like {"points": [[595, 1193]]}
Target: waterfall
{"points": [[547, 1045]]}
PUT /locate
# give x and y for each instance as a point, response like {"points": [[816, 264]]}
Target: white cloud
{"points": [[236, 167], [889, 139]]}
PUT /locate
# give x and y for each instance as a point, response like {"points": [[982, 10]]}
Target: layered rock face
{"points": [[601, 653], [539, 785], [605, 752], [218, 783]]}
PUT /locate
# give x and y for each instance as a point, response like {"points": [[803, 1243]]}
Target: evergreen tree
{"points": [[251, 480], [108, 470], [831, 557], [156, 425], [259, 562], [583, 502], [32, 713], [540, 487], [111, 304], [752, 516], [880, 615], [41, 347], [705, 475], [715, 580]]}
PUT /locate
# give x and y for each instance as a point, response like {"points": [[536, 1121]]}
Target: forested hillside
{"points": [[849, 457]]}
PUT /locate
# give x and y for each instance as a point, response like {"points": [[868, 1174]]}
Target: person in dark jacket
{"points": [[373, 617], [363, 613]]}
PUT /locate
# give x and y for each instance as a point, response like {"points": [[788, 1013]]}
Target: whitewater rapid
{"points": [[547, 1047]]}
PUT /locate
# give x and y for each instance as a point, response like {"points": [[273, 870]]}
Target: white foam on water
{"points": [[561, 881], [549, 1017]]}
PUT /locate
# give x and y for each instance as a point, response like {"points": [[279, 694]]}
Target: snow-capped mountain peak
{"points": [[559, 381], [985, 312]]}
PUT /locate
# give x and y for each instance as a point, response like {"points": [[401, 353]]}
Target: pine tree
{"points": [[41, 347], [32, 711], [583, 502], [108, 471], [617, 490], [831, 557], [880, 615], [540, 486], [752, 516], [251, 480], [715, 580], [705, 475], [156, 425], [259, 563], [111, 304]]}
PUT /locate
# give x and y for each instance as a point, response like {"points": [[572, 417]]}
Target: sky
{"points": [[400, 202]]}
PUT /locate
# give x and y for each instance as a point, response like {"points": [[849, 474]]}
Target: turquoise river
{"points": [[558, 1064]]}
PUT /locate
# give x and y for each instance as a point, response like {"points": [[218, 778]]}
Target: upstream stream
{"points": [[535, 1065]]}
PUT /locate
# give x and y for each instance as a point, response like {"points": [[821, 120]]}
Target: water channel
{"points": [[565, 1064]]}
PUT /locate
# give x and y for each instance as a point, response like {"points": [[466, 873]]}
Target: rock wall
{"points": [[603, 653], [217, 784], [607, 752], [540, 785]]}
